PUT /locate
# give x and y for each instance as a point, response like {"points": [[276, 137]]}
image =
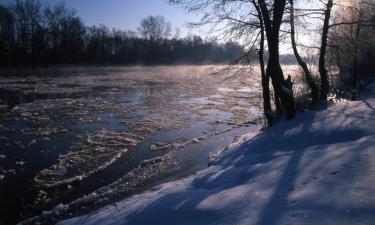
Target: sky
{"points": [[124, 14]]}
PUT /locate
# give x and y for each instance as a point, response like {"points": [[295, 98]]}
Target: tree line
{"points": [[345, 31], [34, 33]]}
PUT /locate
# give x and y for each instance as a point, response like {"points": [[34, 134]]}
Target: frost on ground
{"points": [[316, 169]]}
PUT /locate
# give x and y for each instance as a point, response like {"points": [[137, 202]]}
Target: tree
{"points": [[6, 35], [55, 18], [155, 28], [308, 76], [272, 17], [240, 19], [324, 13], [324, 83], [97, 40], [267, 108], [72, 42], [352, 39], [29, 30]]}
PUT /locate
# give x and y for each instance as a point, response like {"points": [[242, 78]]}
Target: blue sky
{"points": [[124, 14]]}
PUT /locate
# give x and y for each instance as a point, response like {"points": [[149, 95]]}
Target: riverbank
{"points": [[316, 169]]}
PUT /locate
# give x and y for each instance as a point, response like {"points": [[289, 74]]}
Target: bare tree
{"points": [[272, 16], [324, 13], [155, 28], [324, 83], [54, 18], [308, 76], [352, 38], [6, 34], [28, 26], [265, 78], [247, 20]]}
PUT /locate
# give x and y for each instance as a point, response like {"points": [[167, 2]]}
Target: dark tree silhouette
{"points": [[272, 17], [324, 83], [265, 78], [155, 28], [6, 35]]}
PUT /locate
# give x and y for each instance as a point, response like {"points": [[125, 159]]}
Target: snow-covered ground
{"points": [[316, 169]]}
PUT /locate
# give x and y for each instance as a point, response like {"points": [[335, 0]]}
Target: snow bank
{"points": [[316, 169]]}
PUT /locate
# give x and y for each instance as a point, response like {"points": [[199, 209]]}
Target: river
{"points": [[66, 133]]}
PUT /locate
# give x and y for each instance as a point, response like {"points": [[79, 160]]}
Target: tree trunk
{"points": [[267, 109], [324, 84], [355, 62], [309, 78], [282, 88], [279, 108]]}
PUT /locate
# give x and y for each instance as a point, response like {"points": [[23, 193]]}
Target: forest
{"points": [[35, 33]]}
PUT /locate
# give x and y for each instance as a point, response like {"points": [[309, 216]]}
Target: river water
{"points": [[66, 133]]}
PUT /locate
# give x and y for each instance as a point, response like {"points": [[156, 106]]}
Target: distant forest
{"points": [[33, 33]]}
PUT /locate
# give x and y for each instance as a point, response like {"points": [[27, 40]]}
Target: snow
{"points": [[316, 169]]}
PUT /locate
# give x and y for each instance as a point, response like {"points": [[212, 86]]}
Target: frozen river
{"points": [[113, 131]]}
